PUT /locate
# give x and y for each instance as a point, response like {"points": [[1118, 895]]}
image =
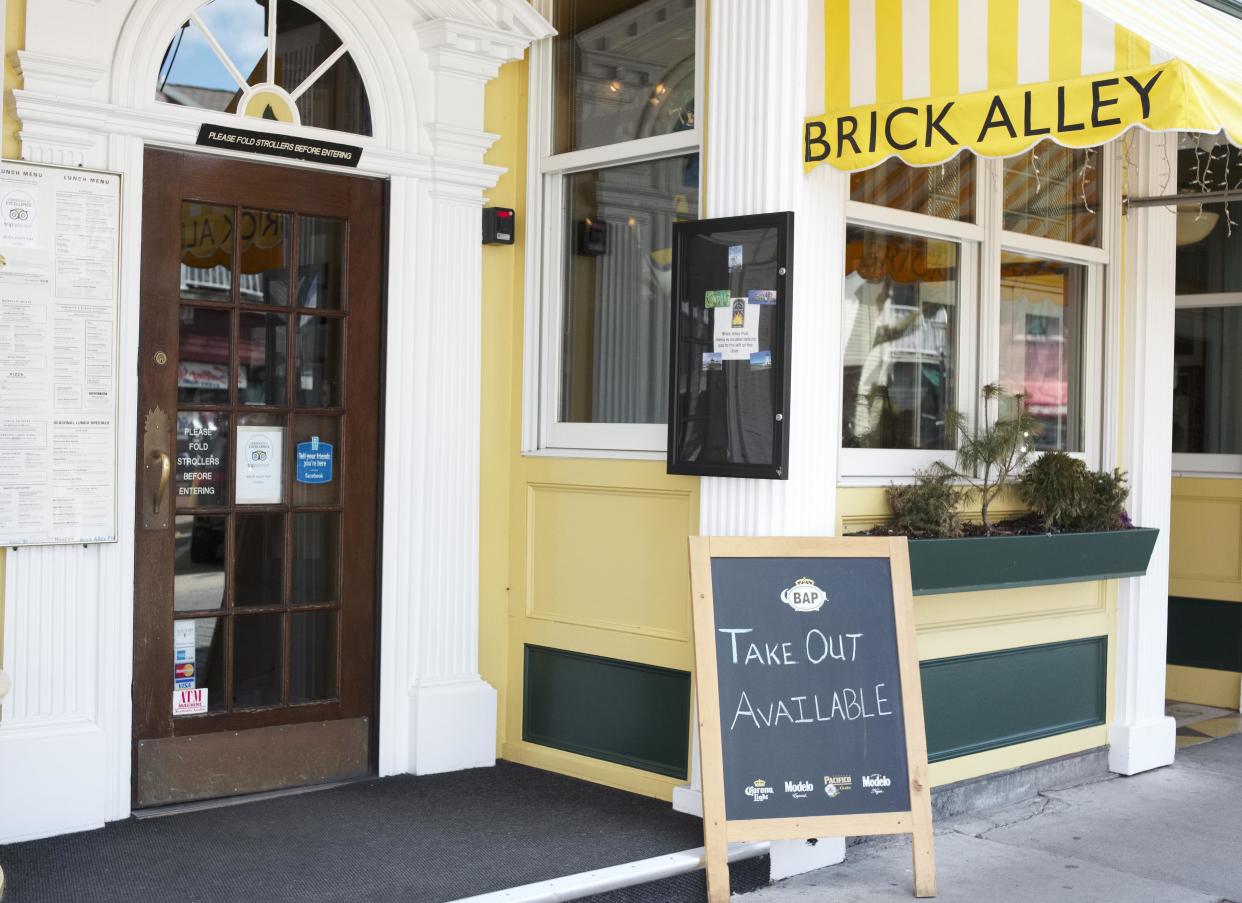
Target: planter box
{"points": [[1003, 562]]}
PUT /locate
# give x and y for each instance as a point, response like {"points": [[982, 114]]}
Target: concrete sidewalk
{"points": [[1169, 836]]}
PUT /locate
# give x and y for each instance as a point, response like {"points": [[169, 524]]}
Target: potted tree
{"points": [[1077, 529]]}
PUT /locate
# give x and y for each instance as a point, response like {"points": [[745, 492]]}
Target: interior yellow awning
{"points": [[924, 80]]}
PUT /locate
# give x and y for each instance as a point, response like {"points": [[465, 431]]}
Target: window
{"points": [[1207, 377], [267, 59], [619, 166], [967, 273]]}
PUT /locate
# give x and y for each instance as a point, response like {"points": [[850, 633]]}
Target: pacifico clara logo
{"points": [[804, 595]]}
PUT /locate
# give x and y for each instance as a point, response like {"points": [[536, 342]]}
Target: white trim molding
{"points": [[89, 99], [1141, 736]]}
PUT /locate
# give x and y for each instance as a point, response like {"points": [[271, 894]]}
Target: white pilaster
{"points": [[1141, 737], [756, 104]]}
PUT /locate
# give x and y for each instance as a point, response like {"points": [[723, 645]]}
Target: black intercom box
{"points": [[499, 224]]}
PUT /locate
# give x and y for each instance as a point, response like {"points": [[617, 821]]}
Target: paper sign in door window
{"points": [[314, 461], [183, 675], [190, 702], [183, 642], [736, 333], [259, 465]]}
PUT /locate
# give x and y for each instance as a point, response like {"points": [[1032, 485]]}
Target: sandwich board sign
{"points": [[810, 706]]}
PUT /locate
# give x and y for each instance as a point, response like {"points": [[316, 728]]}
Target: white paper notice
{"points": [[190, 702], [59, 245], [736, 334], [260, 465]]}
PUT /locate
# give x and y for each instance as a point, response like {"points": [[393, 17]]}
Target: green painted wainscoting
{"points": [[618, 711], [1205, 633], [978, 702]]}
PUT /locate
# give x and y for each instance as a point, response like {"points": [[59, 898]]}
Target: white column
{"points": [[756, 105], [1141, 737]]}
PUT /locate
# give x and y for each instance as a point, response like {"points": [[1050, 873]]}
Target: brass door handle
{"points": [[165, 477]]}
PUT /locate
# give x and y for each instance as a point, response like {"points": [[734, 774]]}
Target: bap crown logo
{"points": [[804, 595]]}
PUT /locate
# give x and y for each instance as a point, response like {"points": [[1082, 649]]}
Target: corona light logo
{"points": [[804, 595]]}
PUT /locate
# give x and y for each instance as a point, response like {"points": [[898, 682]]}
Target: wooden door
{"points": [[258, 472]]}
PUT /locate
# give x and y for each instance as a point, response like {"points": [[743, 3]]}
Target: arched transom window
{"points": [[268, 59]]}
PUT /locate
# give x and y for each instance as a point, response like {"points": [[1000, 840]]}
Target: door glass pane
{"points": [[312, 646], [206, 251], [337, 100], [321, 263], [624, 70], [258, 560], [198, 562], [618, 279], [201, 471], [316, 553], [203, 360], [899, 320], [1041, 341], [319, 362], [198, 658], [1054, 192], [946, 190], [262, 346], [1207, 388], [256, 660], [265, 240], [317, 460]]}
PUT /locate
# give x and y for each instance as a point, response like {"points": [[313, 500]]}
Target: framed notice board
{"points": [[810, 706], [729, 373]]}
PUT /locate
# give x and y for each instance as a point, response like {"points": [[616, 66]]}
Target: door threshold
{"points": [[223, 802]]}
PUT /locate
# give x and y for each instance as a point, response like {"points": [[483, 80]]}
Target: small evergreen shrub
{"points": [[930, 507], [1055, 488], [1071, 498]]}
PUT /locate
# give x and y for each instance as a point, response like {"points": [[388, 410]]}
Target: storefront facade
{"points": [[532, 593]]}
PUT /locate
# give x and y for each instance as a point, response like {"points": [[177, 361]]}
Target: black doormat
{"points": [[417, 839]]}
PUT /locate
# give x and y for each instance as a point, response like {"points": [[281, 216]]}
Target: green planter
{"points": [[1004, 562]]}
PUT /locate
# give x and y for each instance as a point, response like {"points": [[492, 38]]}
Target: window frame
{"points": [[983, 241], [543, 432], [1196, 464]]}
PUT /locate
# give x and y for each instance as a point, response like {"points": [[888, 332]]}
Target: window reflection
{"points": [[946, 190], [618, 281], [1054, 192], [1041, 341], [623, 71], [899, 319], [1207, 388]]}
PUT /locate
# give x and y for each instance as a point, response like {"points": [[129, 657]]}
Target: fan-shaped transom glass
{"points": [[267, 59]]}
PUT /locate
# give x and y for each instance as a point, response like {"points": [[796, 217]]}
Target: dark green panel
{"points": [[993, 699], [1205, 633], [1003, 562], [631, 714]]}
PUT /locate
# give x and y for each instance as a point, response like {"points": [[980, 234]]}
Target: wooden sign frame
{"points": [[718, 831]]}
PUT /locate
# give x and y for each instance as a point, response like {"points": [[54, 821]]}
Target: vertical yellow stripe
{"points": [[888, 57], [836, 54], [1065, 47], [1002, 43], [1133, 52], [943, 39]]}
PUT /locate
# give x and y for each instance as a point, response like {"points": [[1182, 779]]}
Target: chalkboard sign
{"points": [[729, 373], [810, 709]]}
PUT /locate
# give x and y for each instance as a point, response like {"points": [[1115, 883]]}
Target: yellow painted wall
{"points": [[14, 40], [1205, 562]]}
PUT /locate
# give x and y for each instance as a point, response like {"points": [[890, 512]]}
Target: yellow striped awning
{"points": [[925, 79]]}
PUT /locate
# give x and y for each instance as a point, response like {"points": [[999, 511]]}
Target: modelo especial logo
{"points": [[804, 595], [759, 791], [799, 790], [876, 783]]}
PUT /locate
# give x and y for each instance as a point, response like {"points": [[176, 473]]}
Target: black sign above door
{"points": [[275, 145]]}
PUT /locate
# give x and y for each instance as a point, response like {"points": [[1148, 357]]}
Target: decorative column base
{"points": [[1135, 748], [452, 726]]}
